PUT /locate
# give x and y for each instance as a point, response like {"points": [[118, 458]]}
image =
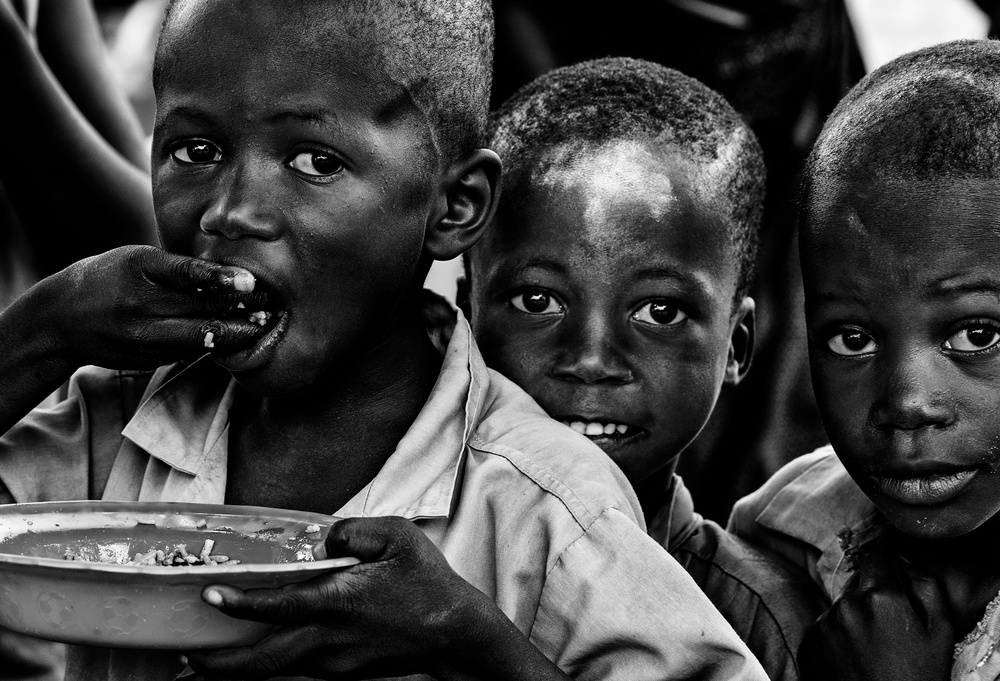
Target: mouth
{"points": [[602, 430], [262, 307], [927, 487]]}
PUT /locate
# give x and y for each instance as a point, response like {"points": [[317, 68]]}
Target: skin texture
{"points": [[605, 290], [903, 314]]}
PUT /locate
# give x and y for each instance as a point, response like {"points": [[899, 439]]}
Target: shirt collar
{"points": [[421, 478], [824, 508], [184, 424], [186, 416]]}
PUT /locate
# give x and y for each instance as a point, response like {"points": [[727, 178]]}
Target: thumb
{"points": [[368, 539], [170, 269]]}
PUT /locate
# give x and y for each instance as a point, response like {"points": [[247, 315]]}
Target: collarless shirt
{"points": [[532, 514], [812, 512]]}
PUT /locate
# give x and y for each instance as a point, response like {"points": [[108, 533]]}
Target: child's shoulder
{"points": [[802, 511], [550, 456]]}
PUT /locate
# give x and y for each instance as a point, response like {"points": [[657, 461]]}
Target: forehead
{"points": [[268, 44], [901, 232], [626, 205]]}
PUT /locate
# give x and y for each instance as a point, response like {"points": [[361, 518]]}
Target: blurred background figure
{"points": [[74, 177]]}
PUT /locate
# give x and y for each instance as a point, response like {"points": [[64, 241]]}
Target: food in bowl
{"points": [[69, 570]]}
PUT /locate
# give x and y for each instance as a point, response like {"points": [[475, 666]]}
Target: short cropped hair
{"points": [[931, 113], [607, 100], [440, 50]]}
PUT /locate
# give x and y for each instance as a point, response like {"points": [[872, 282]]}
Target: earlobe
{"points": [[470, 189], [741, 342]]}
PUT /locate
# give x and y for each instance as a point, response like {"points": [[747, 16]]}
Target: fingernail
{"points": [[319, 551], [243, 281], [213, 597]]}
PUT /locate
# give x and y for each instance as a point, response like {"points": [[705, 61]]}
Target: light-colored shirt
{"points": [[812, 512], [530, 513]]}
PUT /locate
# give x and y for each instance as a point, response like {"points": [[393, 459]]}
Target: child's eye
{"points": [[536, 302], [973, 339], [659, 313], [852, 342], [197, 152], [316, 163]]}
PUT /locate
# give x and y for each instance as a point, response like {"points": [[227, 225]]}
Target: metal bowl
{"points": [[44, 594]]}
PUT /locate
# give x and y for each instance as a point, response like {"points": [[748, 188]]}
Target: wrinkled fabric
{"points": [[767, 600], [814, 514], [530, 513]]}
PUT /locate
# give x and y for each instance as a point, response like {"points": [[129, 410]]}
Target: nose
{"points": [[913, 394], [244, 204], [592, 352]]}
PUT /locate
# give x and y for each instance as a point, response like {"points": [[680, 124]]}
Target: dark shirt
{"points": [[766, 599]]}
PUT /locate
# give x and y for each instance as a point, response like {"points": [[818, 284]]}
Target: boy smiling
{"points": [[897, 521], [310, 160], [612, 287]]}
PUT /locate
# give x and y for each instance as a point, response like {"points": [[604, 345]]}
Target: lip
{"points": [[260, 352], [925, 488]]}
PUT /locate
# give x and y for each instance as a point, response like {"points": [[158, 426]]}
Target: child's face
{"points": [[903, 310], [605, 290], [280, 147]]}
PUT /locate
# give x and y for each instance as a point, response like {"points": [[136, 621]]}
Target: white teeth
{"points": [[593, 428], [209, 339], [240, 306]]}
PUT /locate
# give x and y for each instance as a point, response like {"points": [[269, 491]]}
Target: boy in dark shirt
{"points": [[897, 520], [612, 287], [310, 159]]}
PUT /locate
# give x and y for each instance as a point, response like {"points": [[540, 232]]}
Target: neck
{"points": [[332, 440], [967, 567], [653, 490]]}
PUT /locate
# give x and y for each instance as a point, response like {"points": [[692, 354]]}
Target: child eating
{"points": [[897, 519], [310, 159], [612, 287]]}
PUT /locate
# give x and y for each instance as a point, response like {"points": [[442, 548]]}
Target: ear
{"points": [[470, 189], [741, 340]]}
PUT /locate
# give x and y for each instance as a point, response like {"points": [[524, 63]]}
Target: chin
{"points": [[932, 523]]}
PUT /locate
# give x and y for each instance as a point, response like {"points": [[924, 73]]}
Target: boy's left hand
{"points": [[403, 610], [893, 625]]}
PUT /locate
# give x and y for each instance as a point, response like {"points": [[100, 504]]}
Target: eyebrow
{"points": [[955, 286], [191, 113], [313, 116], [535, 263], [700, 285]]}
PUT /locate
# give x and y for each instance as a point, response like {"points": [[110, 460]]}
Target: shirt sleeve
{"points": [[65, 450], [617, 606]]}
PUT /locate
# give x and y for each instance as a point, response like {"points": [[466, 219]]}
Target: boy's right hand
{"points": [[140, 307]]}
